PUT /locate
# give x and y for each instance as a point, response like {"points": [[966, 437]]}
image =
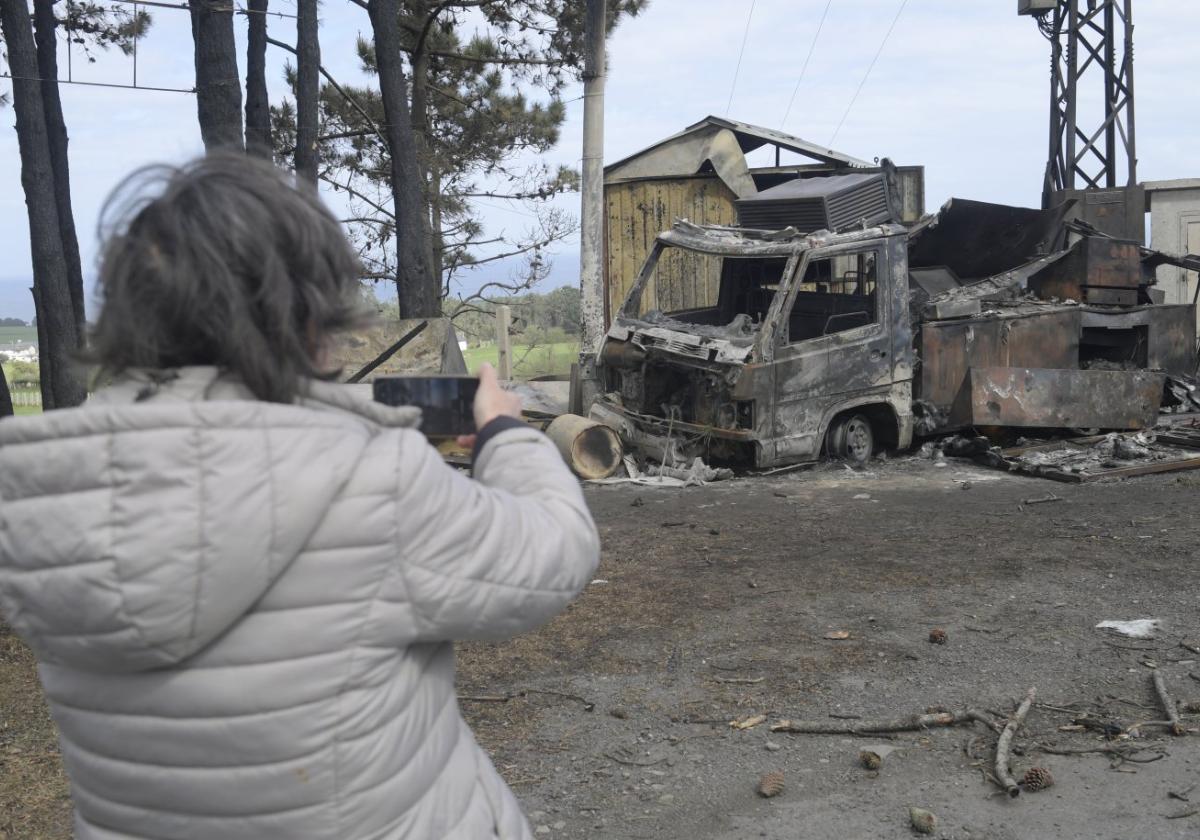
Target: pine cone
{"points": [[1036, 778], [770, 785], [922, 820], [870, 760], [937, 636]]}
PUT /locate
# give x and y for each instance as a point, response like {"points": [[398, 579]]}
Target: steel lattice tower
{"points": [[1092, 44]]}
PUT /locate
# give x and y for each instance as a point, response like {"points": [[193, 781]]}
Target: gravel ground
{"points": [[715, 608], [713, 604]]}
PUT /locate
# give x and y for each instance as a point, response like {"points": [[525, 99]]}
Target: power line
{"points": [[741, 53], [185, 7], [867, 75], [811, 49], [97, 84]]}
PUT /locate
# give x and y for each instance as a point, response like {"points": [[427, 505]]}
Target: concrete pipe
{"points": [[591, 449]]}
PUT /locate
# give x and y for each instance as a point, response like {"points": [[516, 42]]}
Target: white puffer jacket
{"points": [[243, 611]]}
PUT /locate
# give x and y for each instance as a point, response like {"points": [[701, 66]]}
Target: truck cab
{"points": [[806, 348]]}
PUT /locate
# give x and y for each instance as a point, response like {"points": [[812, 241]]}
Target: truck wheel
{"points": [[852, 439]]}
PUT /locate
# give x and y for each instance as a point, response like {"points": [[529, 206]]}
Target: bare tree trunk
{"points": [[218, 89], [435, 222], [430, 180], [418, 288], [45, 369], [6, 406], [46, 39], [258, 103], [55, 310], [308, 89]]}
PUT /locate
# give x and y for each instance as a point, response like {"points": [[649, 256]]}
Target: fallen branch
{"points": [[739, 680], [913, 723], [1125, 753], [524, 693], [1169, 725], [1168, 704], [1062, 709], [1044, 500], [1190, 812], [629, 763], [1003, 775], [1182, 795], [588, 705]]}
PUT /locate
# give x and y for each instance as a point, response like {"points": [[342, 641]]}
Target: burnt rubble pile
{"points": [[1075, 460]]}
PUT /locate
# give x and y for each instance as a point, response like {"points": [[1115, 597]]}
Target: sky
{"points": [[960, 87]]}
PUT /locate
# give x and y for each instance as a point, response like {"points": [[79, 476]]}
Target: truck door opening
{"points": [[835, 295]]}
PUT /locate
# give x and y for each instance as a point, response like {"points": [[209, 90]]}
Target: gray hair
{"points": [[223, 262]]}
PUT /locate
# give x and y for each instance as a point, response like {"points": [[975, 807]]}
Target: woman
{"points": [[242, 582]]}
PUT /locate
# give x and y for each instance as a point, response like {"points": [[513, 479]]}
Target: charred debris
{"points": [[834, 330]]}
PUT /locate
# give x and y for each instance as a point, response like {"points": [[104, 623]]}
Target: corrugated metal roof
{"points": [[751, 137], [814, 187]]}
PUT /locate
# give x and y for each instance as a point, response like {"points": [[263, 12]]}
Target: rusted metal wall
{"points": [[1063, 399], [640, 210], [1169, 331], [949, 349]]}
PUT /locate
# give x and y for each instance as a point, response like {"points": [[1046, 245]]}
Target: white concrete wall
{"points": [[1175, 228]]}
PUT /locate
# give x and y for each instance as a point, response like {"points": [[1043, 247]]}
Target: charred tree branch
{"points": [[1168, 704], [1003, 774]]}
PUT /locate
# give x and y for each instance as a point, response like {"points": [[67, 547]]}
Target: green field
{"points": [[528, 362], [10, 334]]}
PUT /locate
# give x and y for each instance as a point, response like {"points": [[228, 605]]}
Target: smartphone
{"points": [[446, 402]]}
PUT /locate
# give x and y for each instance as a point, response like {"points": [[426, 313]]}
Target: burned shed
{"points": [[703, 174]]}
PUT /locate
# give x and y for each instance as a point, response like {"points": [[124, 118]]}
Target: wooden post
{"points": [[503, 349]]}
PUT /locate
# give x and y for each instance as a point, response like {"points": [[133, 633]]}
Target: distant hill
{"points": [[10, 334]]}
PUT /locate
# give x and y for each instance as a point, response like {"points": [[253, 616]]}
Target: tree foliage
{"points": [[553, 313], [485, 98]]}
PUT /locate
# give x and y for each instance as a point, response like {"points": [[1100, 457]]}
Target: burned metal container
{"points": [[1155, 337], [1061, 399], [949, 350], [976, 239], [834, 203], [1096, 270]]}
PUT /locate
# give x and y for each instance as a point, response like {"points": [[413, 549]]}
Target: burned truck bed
{"points": [[1066, 338]]}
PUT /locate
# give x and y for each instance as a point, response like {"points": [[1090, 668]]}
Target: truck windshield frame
{"points": [[749, 287]]}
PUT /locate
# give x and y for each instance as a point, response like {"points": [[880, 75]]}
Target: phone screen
{"points": [[446, 402]]}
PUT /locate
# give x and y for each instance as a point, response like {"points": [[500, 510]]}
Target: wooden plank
{"points": [[1143, 469], [1081, 442], [1191, 441], [613, 281]]}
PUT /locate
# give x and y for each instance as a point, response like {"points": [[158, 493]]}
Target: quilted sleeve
{"points": [[498, 555]]}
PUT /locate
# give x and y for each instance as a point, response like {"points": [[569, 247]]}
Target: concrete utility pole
{"points": [[591, 256]]}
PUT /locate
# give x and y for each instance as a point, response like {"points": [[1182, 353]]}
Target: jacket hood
{"points": [[138, 528]]}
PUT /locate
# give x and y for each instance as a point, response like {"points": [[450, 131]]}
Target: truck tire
{"points": [[851, 439]]}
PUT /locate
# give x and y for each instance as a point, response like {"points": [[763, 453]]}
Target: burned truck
{"points": [[843, 343]]}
